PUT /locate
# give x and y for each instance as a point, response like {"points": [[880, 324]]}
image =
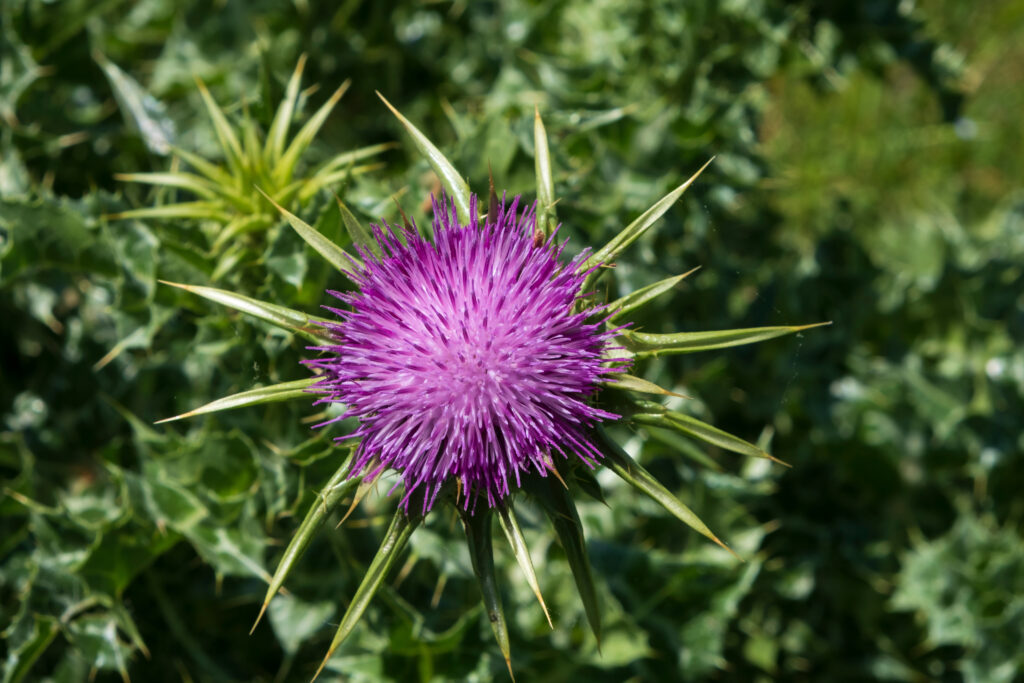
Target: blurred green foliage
{"points": [[866, 173]]}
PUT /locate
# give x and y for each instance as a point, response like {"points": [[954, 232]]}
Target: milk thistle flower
{"points": [[463, 359], [474, 362]]}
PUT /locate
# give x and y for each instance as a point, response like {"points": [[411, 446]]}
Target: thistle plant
{"points": [[481, 368], [234, 213]]}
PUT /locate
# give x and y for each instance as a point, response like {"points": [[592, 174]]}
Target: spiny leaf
{"points": [[209, 210], [225, 134], [566, 522], [365, 486], [252, 159], [481, 552], [450, 178], [286, 166], [626, 382], [547, 219], [395, 540], [211, 171], [271, 394], [514, 535], [286, 318], [336, 489], [334, 254], [584, 478], [142, 112], [660, 417], [357, 230], [636, 299], [634, 230], [186, 181], [642, 480], [283, 116], [647, 344]]}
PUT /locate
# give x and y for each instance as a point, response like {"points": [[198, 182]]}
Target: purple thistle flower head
{"points": [[463, 359]]}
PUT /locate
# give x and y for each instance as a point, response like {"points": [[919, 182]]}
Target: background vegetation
{"points": [[868, 172]]}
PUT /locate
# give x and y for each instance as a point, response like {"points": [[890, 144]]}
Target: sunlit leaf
{"points": [[639, 478], [454, 183], [625, 382], [660, 417], [547, 219], [395, 540], [357, 230], [481, 553], [213, 211], [286, 166], [337, 488], [334, 254], [609, 252], [287, 318], [562, 513], [644, 343], [225, 133], [142, 111], [638, 298], [278, 133], [514, 535], [284, 391]]}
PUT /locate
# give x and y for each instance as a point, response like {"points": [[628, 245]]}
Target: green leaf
{"points": [[215, 173], [337, 488], [334, 254], [41, 232], [395, 540], [284, 391], [450, 178], [547, 219], [634, 230], [625, 382], [286, 166], [295, 620], [20, 658], [636, 299], [703, 431], [229, 550], [481, 552], [146, 115], [639, 478], [225, 134], [209, 210], [280, 316], [566, 522], [283, 116], [120, 555], [96, 639], [357, 230], [514, 535], [186, 181], [644, 344]]}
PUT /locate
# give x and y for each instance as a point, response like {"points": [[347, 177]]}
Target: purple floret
{"points": [[462, 358]]}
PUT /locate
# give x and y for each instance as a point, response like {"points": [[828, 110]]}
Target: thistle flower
{"points": [[463, 358], [471, 361]]}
